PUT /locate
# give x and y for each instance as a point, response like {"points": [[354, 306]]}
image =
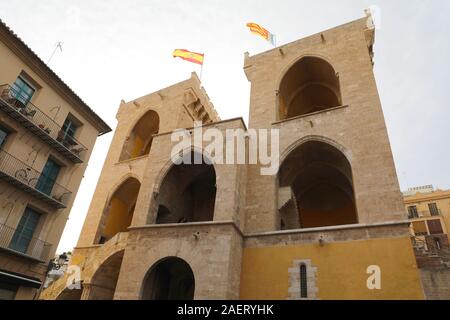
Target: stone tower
{"points": [[331, 214], [320, 92]]}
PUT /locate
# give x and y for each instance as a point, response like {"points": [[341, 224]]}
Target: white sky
{"points": [[117, 50]]}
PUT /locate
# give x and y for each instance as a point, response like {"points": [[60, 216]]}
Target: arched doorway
{"points": [[140, 140], [316, 188], [169, 279], [120, 208], [103, 283], [187, 193], [310, 85]]}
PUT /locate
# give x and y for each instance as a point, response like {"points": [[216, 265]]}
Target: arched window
{"points": [[316, 187], [187, 193], [303, 282], [310, 85], [120, 209], [104, 281], [140, 140]]}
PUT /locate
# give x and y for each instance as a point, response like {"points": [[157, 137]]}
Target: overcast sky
{"points": [[117, 50]]}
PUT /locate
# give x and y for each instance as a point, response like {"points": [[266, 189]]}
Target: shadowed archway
{"points": [[70, 294], [169, 279], [316, 188], [103, 283], [120, 209], [310, 85], [187, 192], [140, 140]]}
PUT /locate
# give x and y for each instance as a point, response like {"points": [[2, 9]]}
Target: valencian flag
{"points": [[189, 56], [257, 29]]}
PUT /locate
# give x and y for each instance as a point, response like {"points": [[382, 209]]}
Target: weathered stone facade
{"points": [[347, 204]]}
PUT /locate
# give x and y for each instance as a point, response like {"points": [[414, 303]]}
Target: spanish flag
{"points": [[260, 31], [189, 56]]}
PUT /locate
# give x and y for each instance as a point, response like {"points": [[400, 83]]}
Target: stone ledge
{"points": [[187, 225], [332, 228], [309, 115]]}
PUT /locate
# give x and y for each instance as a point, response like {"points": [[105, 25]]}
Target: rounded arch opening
{"points": [[104, 281], [310, 85], [169, 279], [140, 139], [120, 209], [316, 188], [70, 294], [187, 192]]}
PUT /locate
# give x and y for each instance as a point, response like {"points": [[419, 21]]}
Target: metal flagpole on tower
{"points": [[201, 72]]}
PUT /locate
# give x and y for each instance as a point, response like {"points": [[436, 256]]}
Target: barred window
{"points": [[434, 211], [412, 212]]}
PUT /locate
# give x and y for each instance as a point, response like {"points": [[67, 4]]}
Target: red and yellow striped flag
{"points": [[189, 56], [257, 29]]}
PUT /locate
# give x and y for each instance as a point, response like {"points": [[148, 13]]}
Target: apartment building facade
{"points": [[428, 209], [47, 134]]}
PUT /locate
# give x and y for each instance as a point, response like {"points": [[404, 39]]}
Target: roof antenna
{"points": [[58, 45]]}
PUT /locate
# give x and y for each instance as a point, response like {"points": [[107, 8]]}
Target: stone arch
{"points": [[308, 85], [103, 282], [185, 192], [70, 294], [315, 185], [170, 278], [119, 208], [345, 151], [139, 140]]}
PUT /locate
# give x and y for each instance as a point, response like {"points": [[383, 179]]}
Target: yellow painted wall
{"points": [[138, 146], [118, 218], [341, 270]]}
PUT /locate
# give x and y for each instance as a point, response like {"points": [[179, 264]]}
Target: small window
{"points": [[22, 91], [3, 135], [434, 211], [303, 282], [412, 212], [438, 243], [69, 128], [8, 291]]}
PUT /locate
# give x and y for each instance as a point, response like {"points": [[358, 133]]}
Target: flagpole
{"points": [[201, 68]]}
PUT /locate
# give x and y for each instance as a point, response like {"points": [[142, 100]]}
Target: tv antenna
{"points": [[58, 45]]}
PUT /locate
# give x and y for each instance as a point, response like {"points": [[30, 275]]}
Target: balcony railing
{"points": [[32, 181], [33, 119], [425, 214], [13, 240]]}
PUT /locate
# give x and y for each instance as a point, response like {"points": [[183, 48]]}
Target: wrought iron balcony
{"points": [[33, 119], [32, 181], [18, 242]]}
